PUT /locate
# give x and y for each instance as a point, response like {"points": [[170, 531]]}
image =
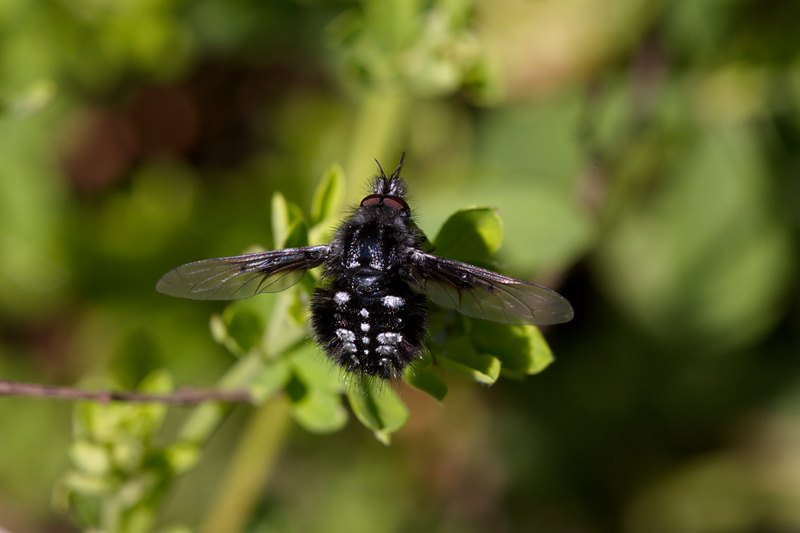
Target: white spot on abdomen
{"points": [[364, 313], [346, 335], [341, 298], [390, 338], [393, 302], [364, 327], [386, 350]]}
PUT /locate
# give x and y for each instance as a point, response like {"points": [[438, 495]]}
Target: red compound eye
{"points": [[372, 199], [395, 202]]}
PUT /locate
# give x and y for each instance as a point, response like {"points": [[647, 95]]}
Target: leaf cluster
{"points": [[120, 473]]}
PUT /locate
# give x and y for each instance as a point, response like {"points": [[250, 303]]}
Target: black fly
{"points": [[370, 312]]}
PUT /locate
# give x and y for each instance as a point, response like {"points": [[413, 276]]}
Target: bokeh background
{"points": [[644, 157]]}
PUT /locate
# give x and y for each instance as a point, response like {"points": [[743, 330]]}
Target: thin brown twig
{"points": [[179, 397]]}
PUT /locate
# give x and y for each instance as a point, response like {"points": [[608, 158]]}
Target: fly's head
{"points": [[388, 191]]}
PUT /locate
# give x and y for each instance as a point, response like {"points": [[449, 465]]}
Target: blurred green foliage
{"points": [[643, 158]]}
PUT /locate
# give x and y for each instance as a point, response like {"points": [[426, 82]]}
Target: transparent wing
{"points": [[481, 293], [241, 276]]}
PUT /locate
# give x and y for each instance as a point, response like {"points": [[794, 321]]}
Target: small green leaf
{"points": [[328, 196], [157, 382], [283, 332], [141, 422], [280, 218], [297, 235], [79, 482], [472, 235], [132, 492], [318, 411], [270, 379], [458, 355], [90, 458], [377, 406], [284, 215], [219, 332], [313, 368], [421, 376], [314, 390], [245, 328], [127, 455], [521, 349], [480, 368], [241, 326], [181, 456], [542, 355]]}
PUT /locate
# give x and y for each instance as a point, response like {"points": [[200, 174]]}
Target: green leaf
{"points": [[157, 382], [219, 332], [270, 379], [378, 407], [117, 421], [421, 375], [90, 458], [314, 391], [297, 235], [471, 235], [542, 355], [522, 350], [284, 215], [284, 332], [244, 328], [85, 483], [328, 196], [181, 456], [483, 369], [458, 355], [127, 455], [316, 410], [313, 368]]}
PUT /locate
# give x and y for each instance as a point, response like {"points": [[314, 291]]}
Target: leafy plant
{"points": [[119, 474]]}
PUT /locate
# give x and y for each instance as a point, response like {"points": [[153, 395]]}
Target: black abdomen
{"points": [[377, 333]]}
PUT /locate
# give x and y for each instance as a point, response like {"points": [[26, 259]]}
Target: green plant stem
{"points": [[251, 465]]}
